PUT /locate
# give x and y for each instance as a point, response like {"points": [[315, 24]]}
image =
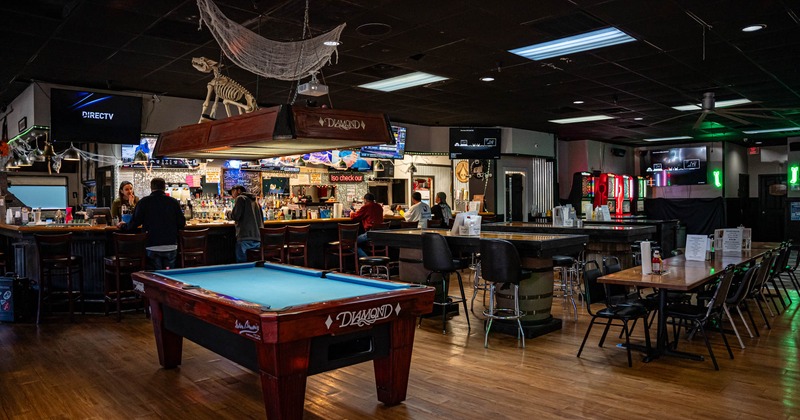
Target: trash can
{"points": [[15, 299]]}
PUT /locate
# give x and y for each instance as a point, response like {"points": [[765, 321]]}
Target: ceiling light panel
{"points": [[574, 44], [581, 119], [773, 130], [403, 82], [669, 138]]}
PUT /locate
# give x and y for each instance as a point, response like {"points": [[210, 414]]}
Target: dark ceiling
{"points": [[683, 48]]}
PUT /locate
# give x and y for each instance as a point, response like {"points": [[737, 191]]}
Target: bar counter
{"points": [[94, 243]]}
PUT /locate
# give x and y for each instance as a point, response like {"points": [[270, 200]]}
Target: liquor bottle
{"points": [[656, 262]]}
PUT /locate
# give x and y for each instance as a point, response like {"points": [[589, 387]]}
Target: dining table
{"points": [[682, 275]]}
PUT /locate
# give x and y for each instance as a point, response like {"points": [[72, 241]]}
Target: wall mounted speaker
{"points": [[617, 152]]}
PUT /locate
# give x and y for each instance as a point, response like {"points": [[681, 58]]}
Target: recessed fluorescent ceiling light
{"points": [[773, 130], [753, 28], [718, 104], [402, 82], [581, 119], [670, 138], [573, 44]]}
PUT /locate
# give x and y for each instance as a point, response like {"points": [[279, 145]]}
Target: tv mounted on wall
{"points": [[388, 151], [83, 116], [474, 143], [678, 166]]}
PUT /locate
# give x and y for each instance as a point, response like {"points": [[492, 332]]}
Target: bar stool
{"points": [[55, 254], [503, 267], [345, 247], [273, 241], [192, 247], [437, 259], [379, 250], [129, 257], [563, 264], [297, 243], [3, 263], [373, 265]]}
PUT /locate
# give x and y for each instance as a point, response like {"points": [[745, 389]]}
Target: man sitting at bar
{"points": [[161, 217], [441, 211], [249, 218], [419, 211], [370, 214]]}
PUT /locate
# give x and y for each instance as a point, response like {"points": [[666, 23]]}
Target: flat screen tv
{"points": [[678, 166], [83, 116], [474, 143], [388, 151]]}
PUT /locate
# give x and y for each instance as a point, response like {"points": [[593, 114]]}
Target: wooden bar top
{"points": [[82, 227]]}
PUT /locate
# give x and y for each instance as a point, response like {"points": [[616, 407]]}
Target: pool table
{"points": [[286, 322]]}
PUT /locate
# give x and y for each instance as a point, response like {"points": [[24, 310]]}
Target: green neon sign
{"points": [[717, 178], [793, 170]]}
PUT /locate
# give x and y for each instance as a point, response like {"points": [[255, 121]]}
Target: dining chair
{"points": [[595, 293], [701, 316]]}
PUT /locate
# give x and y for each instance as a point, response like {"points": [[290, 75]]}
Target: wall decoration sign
{"points": [[212, 176], [346, 177], [462, 171]]}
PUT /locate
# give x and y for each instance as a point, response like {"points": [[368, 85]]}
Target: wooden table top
{"points": [[680, 274]]}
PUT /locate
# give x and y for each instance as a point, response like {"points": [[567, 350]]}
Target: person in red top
{"points": [[370, 214]]}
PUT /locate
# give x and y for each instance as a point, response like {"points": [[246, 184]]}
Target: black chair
{"points": [[736, 299], [780, 268], [297, 243], [192, 247], [594, 293], [273, 242], [700, 316], [756, 292], [55, 256], [437, 259], [502, 268], [129, 256]]}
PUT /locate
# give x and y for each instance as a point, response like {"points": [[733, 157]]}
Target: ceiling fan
{"points": [[732, 112]]}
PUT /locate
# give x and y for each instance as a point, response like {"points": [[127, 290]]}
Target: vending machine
{"points": [[609, 192], [639, 194], [627, 194], [582, 191]]}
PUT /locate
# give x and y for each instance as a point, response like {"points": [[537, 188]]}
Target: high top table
{"points": [[604, 240], [681, 275], [536, 251]]}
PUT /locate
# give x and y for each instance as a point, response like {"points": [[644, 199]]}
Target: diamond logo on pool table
{"points": [[328, 322], [397, 309]]}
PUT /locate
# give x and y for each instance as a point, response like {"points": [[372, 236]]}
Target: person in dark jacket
{"points": [[161, 217], [249, 219]]}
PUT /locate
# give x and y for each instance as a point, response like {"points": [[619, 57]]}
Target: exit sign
{"points": [[753, 150]]}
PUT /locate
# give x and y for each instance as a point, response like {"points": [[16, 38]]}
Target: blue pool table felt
{"points": [[277, 287]]}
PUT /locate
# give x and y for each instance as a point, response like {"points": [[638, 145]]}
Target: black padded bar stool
{"points": [[563, 264], [437, 259], [502, 268], [55, 255], [371, 266]]}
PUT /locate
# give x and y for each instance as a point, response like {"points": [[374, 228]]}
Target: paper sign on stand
{"points": [[587, 210], [696, 247], [647, 262], [604, 214], [732, 241]]}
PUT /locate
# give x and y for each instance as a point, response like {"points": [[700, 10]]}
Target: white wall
{"points": [[771, 160], [590, 155]]}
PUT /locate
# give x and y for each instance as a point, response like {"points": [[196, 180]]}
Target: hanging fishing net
{"points": [[265, 57]]}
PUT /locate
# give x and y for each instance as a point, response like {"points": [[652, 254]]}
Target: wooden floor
{"points": [[98, 368]]}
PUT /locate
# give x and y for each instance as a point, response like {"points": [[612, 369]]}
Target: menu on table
{"points": [[696, 247], [731, 241]]}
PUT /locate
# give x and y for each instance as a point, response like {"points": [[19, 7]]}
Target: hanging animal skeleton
{"points": [[225, 88]]}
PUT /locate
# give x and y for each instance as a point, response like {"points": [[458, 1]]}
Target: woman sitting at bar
{"points": [[126, 198]]}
